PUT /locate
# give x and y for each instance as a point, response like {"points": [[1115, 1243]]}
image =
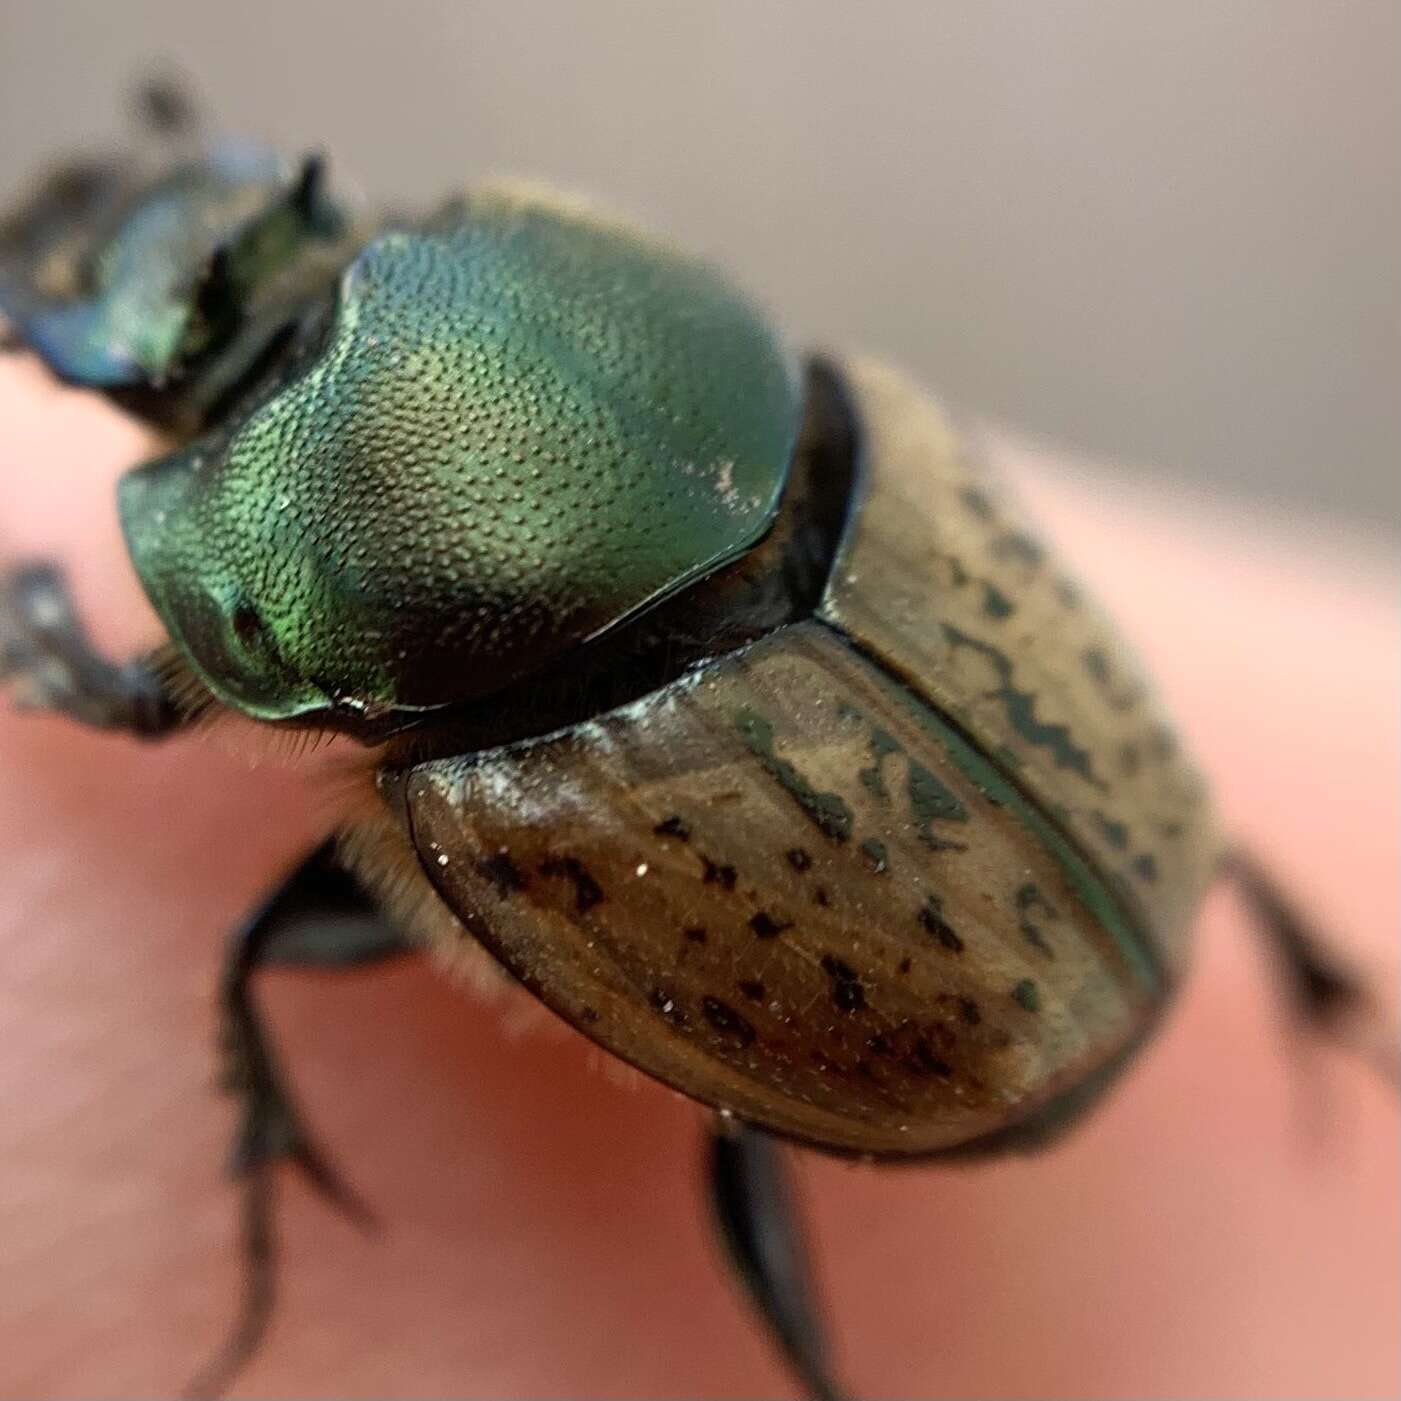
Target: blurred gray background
{"points": [[1166, 235]]}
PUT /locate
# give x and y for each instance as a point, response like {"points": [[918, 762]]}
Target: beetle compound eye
{"points": [[247, 624]]}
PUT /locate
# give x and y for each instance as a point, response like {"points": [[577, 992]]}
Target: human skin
{"points": [[1225, 1225]]}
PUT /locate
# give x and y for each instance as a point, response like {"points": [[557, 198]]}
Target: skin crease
{"points": [[1227, 1225]]}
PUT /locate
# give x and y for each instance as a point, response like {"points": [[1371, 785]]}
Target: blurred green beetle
{"points": [[716, 692]]}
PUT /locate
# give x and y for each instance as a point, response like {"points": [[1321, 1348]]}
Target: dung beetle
{"points": [[715, 691]]}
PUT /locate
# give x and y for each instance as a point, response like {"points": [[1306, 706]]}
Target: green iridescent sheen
{"points": [[523, 425]]}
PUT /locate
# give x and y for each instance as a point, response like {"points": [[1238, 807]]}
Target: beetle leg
{"points": [[752, 1197], [45, 652], [1325, 996], [318, 918]]}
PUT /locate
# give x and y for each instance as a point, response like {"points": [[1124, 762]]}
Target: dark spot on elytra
{"points": [[847, 993], [723, 876], [726, 1020], [876, 854], [1029, 898], [996, 604], [503, 873], [673, 827], [917, 1047], [1172, 830], [827, 811], [1130, 760], [1097, 664], [799, 860], [765, 926], [1027, 995], [932, 921], [1101, 671], [923, 1056], [587, 891], [905, 965], [588, 1014], [930, 800], [958, 575], [1020, 709], [1162, 742], [1115, 833], [753, 989], [1018, 545], [1068, 591], [695, 934], [978, 502], [963, 1007], [663, 1002], [933, 801], [882, 744], [1145, 867], [821, 897]]}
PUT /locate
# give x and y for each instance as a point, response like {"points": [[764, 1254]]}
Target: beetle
{"points": [[716, 692]]}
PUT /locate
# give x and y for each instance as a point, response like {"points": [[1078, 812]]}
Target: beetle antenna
{"points": [[309, 199], [217, 296], [164, 107], [311, 179], [1325, 996]]}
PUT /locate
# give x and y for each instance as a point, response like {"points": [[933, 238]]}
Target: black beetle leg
{"points": [[46, 655], [753, 1201], [318, 918], [1327, 998]]}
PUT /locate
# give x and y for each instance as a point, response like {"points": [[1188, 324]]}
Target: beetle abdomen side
{"points": [[784, 887], [940, 579]]}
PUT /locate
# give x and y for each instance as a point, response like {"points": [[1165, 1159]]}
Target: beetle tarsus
{"points": [[47, 659], [271, 1129], [1327, 998], [752, 1199], [259, 1292], [319, 917]]}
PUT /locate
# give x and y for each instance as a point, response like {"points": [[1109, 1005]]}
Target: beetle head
{"points": [[124, 281]]}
